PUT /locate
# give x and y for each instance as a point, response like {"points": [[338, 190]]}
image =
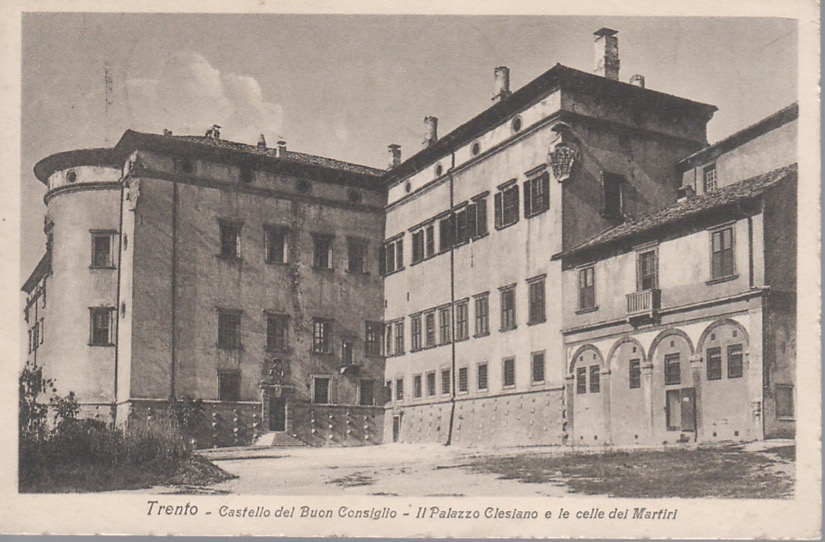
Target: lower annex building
{"points": [[574, 265]]}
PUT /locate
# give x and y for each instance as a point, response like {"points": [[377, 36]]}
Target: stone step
{"points": [[278, 438]]}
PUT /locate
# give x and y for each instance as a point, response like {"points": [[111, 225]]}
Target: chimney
{"points": [[685, 192], [280, 152], [214, 132], [167, 132], [607, 53], [394, 155], [262, 141], [638, 80], [431, 135], [501, 76]]}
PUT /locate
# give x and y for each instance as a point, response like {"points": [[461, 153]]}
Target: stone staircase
{"points": [[277, 439]]}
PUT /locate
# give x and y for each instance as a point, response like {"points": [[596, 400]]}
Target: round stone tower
{"points": [[78, 309]]}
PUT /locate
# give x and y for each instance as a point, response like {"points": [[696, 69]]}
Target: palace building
{"points": [[574, 265]]}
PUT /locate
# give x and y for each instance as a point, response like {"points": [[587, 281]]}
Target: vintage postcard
{"points": [[405, 270]]}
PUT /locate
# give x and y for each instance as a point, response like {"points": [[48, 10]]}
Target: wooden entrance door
{"points": [[277, 414], [681, 409]]}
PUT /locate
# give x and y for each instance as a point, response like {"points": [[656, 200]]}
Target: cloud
{"points": [[189, 96]]}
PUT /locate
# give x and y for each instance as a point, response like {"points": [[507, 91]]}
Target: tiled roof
{"points": [[290, 156], [686, 209]]}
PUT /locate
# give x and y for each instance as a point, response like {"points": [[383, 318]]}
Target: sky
{"points": [[347, 86]]}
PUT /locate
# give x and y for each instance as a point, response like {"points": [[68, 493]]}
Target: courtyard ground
{"points": [[757, 470]]}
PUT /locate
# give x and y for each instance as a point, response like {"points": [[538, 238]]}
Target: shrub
{"points": [[157, 441], [187, 413]]}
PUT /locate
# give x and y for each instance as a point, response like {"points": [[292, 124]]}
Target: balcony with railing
{"points": [[645, 303]]}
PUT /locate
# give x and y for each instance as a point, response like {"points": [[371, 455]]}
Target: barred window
{"points": [[417, 386], [431, 384], [537, 367], [482, 376], [463, 379], [445, 381], [714, 363], [509, 377], [399, 389]]}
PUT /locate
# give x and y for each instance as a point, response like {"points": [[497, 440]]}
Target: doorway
{"points": [[681, 409], [277, 414], [396, 428]]}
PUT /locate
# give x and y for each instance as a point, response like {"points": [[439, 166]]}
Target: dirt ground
{"points": [[730, 471]]}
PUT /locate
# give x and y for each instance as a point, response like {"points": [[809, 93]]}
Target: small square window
{"points": [[356, 256], [482, 376], [445, 382], [735, 361], [102, 253], [230, 240], [229, 385], [463, 379], [101, 326], [229, 329], [320, 390], [537, 366], [509, 377], [277, 241], [431, 384], [322, 251]]}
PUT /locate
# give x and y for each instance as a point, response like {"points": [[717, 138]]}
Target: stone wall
{"points": [[337, 425]]}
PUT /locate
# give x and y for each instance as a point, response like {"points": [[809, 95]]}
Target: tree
{"points": [[31, 412]]}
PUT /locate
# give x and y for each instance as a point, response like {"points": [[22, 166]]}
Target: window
{"points": [[635, 376], [477, 218], [41, 331], [229, 328], [229, 385], [581, 380], [230, 240], [399, 389], [417, 387], [482, 376], [388, 390], [537, 195], [71, 176], [612, 194], [462, 235], [537, 367], [463, 380], [722, 253], [429, 326], [462, 320], [784, 401], [714, 363], [506, 206], [509, 376], [321, 336], [399, 337], [446, 232], [445, 382], [673, 369], [276, 239], [709, 177], [415, 331], [735, 365], [431, 384], [482, 315], [277, 326], [347, 353], [102, 249], [366, 392], [356, 256], [320, 390], [646, 271], [322, 251], [536, 291], [429, 241], [445, 324], [417, 246], [393, 255], [587, 288], [372, 339], [508, 308], [595, 379], [247, 175]]}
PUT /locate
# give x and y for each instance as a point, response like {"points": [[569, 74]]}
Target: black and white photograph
{"points": [[413, 273]]}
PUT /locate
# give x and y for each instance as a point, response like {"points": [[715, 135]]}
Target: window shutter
{"points": [[545, 190], [481, 217], [399, 259], [527, 195], [382, 260], [498, 210], [471, 221]]}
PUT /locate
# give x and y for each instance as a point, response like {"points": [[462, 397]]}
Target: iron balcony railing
{"points": [[644, 303]]}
